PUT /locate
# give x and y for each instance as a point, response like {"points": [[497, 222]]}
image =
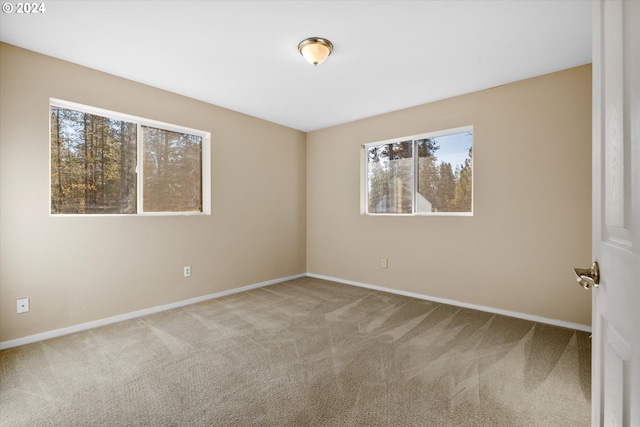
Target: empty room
{"points": [[319, 213]]}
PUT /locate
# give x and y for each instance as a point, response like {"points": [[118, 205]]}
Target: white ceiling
{"points": [[242, 55]]}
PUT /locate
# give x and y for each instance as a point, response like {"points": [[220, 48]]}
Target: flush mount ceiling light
{"points": [[315, 50]]}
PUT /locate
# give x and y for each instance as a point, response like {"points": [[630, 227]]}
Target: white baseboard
{"points": [[119, 318], [555, 322]]}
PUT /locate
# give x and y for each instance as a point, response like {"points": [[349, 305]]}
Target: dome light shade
{"points": [[315, 50]]}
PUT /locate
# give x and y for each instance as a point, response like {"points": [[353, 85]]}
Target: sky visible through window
{"points": [[454, 149]]}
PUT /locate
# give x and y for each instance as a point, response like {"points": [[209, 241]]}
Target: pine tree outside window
{"points": [[108, 163], [427, 174]]}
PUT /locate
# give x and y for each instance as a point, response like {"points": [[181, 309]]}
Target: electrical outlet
{"points": [[23, 305], [384, 263], [187, 271]]}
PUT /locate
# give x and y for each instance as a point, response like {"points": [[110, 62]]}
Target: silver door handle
{"points": [[588, 277]]}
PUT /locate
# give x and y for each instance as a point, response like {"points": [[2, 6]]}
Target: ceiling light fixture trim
{"points": [[315, 50]]}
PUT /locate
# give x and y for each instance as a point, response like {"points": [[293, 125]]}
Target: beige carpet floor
{"points": [[306, 352]]}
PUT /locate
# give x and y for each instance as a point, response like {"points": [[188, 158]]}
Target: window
{"points": [[104, 162], [428, 174]]}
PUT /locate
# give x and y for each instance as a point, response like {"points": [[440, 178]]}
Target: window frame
{"points": [[140, 122], [364, 173]]}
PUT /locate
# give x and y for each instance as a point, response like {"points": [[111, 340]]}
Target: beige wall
{"points": [[281, 207], [532, 202], [81, 269]]}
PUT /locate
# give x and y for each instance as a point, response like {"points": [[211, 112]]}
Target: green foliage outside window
{"points": [[94, 166], [443, 184]]}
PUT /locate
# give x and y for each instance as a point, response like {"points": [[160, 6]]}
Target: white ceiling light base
{"points": [[315, 50]]}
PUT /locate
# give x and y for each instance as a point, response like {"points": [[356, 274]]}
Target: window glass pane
{"points": [[93, 164], [172, 171], [445, 173], [390, 178]]}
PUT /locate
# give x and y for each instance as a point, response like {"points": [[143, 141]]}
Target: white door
{"points": [[616, 213]]}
